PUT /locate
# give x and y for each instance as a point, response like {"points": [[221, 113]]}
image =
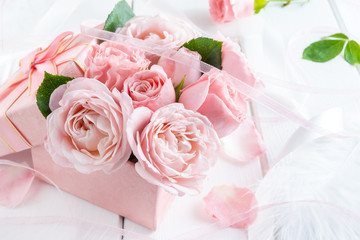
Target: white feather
{"points": [[321, 182]]}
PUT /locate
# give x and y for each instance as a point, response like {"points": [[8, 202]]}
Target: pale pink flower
{"points": [[215, 96], [159, 30], [112, 63], [231, 205], [175, 147], [184, 64], [86, 130], [223, 11], [150, 88]]}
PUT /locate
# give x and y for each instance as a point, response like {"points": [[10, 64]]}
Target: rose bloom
{"points": [[178, 71], [223, 11], [216, 97], [150, 88], [159, 30], [87, 128], [111, 63], [175, 147]]}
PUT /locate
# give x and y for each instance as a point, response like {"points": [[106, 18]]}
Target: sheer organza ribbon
{"points": [[253, 93], [28, 78]]}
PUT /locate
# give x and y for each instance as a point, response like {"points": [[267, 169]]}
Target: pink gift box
{"points": [[22, 124], [123, 192]]}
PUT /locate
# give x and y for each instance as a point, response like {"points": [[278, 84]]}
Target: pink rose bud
{"points": [[87, 130], [232, 205], [235, 62], [150, 88], [216, 97], [223, 11], [175, 147], [112, 63], [178, 71]]}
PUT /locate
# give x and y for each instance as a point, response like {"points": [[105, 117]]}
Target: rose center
{"points": [[178, 147], [82, 127]]}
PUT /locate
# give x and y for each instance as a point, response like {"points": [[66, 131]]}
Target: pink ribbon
{"points": [[29, 76]]}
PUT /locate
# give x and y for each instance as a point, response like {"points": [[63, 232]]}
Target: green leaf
{"points": [[259, 4], [323, 50], [209, 49], [121, 13], [178, 88], [338, 36], [352, 52], [50, 83]]}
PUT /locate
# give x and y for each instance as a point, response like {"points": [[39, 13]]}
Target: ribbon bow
{"points": [[33, 66], [29, 76]]}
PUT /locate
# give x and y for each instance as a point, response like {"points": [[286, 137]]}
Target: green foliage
{"points": [[121, 13], [47, 87]]}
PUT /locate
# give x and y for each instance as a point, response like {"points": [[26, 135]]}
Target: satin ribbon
{"points": [[331, 119], [28, 78]]}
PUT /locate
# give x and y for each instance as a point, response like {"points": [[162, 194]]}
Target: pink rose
{"points": [[159, 30], [235, 62], [223, 11], [150, 88], [176, 70], [216, 97], [175, 147], [87, 129], [111, 63]]}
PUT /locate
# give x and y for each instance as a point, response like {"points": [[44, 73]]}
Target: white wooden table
{"points": [[264, 39]]}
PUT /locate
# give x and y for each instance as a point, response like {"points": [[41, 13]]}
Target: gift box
{"points": [[130, 103], [123, 192], [22, 124]]}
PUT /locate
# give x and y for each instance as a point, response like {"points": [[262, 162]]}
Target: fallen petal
{"points": [[244, 144], [231, 205], [15, 183]]}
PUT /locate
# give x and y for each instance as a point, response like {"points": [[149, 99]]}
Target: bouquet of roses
{"points": [[143, 96], [166, 112]]}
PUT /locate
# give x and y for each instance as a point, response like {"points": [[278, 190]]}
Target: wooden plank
{"points": [[349, 14], [269, 56]]}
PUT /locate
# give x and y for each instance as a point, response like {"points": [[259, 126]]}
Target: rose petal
{"points": [[231, 205], [136, 123], [176, 70], [193, 97], [219, 115], [244, 144], [234, 61], [15, 183], [56, 96]]}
